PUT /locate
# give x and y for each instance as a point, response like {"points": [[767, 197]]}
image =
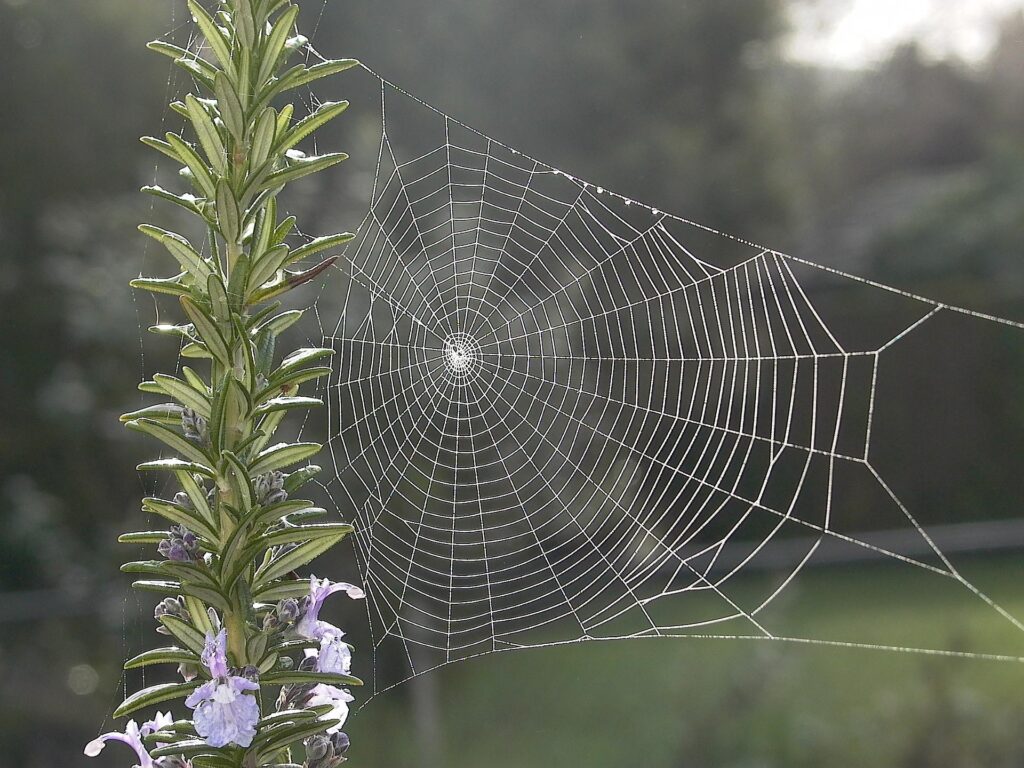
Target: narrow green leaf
{"points": [[301, 533], [298, 77], [238, 479], [301, 357], [142, 537], [220, 310], [197, 381], [155, 694], [218, 413], [230, 107], [282, 590], [206, 132], [275, 44], [197, 751], [307, 515], [301, 168], [300, 477], [278, 739], [197, 612], [171, 286], [181, 249], [214, 36], [228, 217], [162, 147], [289, 382], [312, 123], [263, 137], [166, 413], [296, 558], [160, 587], [208, 595], [285, 717], [186, 59], [284, 229], [208, 330], [284, 117], [199, 69], [274, 513], [195, 352], [200, 173], [245, 24], [189, 202], [295, 676], [320, 244], [268, 427], [282, 322], [168, 568], [191, 519], [267, 266], [173, 465], [288, 403], [249, 372], [169, 655], [171, 438], [166, 329], [265, 230], [185, 633], [283, 455], [244, 76], [198, 499], [237, 282], [186, 394]]}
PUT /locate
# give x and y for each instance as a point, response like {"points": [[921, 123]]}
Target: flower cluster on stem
{"points": [[241, 622]]}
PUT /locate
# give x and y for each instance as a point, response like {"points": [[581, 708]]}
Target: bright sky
{"points": [[857, 33]]}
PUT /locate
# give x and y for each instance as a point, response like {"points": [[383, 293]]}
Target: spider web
{"points": [[560, 415]]}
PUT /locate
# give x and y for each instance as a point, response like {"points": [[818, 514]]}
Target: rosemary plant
{"points": [[261, 672]]}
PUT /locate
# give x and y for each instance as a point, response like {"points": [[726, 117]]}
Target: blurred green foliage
{"points": [[912, 172]]}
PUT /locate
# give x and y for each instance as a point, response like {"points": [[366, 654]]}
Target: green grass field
{"points": [[693, 703]]}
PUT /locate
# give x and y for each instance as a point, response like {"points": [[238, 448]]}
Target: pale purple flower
{"points": [[158, 723], [335, 656], [132, 736], [310, 625], [337, 698], [224, 711]]}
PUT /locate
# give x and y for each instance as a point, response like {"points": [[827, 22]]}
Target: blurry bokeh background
{"points": [[885, 139]]}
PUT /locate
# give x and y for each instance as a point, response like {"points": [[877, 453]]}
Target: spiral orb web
{"points": [[559, 415]]}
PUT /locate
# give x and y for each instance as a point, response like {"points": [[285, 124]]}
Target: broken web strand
{"points": [[724, 324]]}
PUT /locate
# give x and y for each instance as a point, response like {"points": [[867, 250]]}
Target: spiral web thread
{"points": [[554, 421]]}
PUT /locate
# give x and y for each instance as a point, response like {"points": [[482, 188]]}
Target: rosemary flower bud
{"points": [[317, 748], [326, 751], [250, 672], [286, 613], [182, 546], [170, 606], [193, 425], [340, 742], [270, 488]]}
